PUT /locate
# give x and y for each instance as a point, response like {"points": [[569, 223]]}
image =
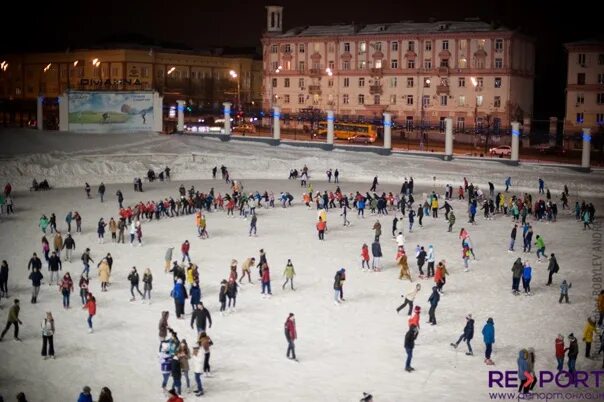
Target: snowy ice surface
{"points": [[343, 350]]}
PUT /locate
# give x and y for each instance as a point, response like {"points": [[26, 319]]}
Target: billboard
{"points": [[106, 112]]}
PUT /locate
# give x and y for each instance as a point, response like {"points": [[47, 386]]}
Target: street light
{"points": [[421, 139], [3, 66], [235, 75], [475, 84], [329, 72], [171, 70]]}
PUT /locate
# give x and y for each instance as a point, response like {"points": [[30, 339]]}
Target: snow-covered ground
{"points": [[343, 350]]}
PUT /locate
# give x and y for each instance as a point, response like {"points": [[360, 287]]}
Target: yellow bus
{"points": [[353, 132]]}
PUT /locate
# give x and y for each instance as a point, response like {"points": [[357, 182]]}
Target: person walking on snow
{"points": [[289, 274], [409, 298], [376, 251], [467, 335], [410, 338], [91, 307], [290, 336], [488, 334]]}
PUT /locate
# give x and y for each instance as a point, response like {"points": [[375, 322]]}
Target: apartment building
{"points": [[585, 86], [468, 70]]}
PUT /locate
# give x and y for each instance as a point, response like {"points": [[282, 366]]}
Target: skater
{"points": [[409, 298], [253, 222], [147, 285], [184, 249], [440, 277], [113, 229], [540, 247], [338, 286], [13, 319], [205, 342], [201, 317], [289, 274], [83, 285], [120, 198], [431, 260], [4, 279], [376, 251], [134, 279], [467, 335], [377, 228], [87, 189], [291, 336], [48, 330], [69, 246], [266, 281], [179, 294], [513, 238], [85, 395], [195, 293], [86, 260], [321, 226], [524, 375], [508, 183], [541, 186], [163, 325], [246, 267], [451, 221], [517, 270], [184, 354], [104, 273], [573, 352], [394, 226], [336, 175], [420, 255], [176, 373], [105, 395], [433, 300], [91, 307], [560, 352], [168, 259], [36, 280], [222, 296], [527, 274], [102, 190], [374, 184], [552, 267], [410, 338], [197, 370], [414, 320], [401, 260], [54, 265], [588, 335], [232, 288], [66, 288], [488, 334], [364, 257]]}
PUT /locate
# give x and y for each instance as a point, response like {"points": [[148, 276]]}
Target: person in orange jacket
{"points": [[364, 256], [91, 306], [414, 320], [174, 397], [321, 225], [440, 276]]}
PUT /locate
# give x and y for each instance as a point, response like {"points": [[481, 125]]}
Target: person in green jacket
{"points": [[289, 274], [540, 248], [43, 223], [13, 319], [451, 221]]}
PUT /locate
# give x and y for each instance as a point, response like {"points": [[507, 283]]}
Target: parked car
{"points": [[244, 128], [552, 150], [361, 139], [502, 150]]}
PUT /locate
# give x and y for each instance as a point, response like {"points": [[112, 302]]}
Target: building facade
{"points": [[200, 79], [585, 86], [467, 70]]}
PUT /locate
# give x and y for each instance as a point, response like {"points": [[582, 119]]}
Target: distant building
{"points": [[585, 86], [201, 78], [468, 70]]}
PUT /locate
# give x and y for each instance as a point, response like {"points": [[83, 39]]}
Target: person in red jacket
{"points": [[414, 320], [560, 352], [184, 249], [266, 281], [291, 336], [91, 306], [321, 225], [174, 396], [364, 256]]}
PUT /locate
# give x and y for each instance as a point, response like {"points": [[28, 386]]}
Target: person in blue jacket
{"points": [[433, 300], [179, 294], [195, 293], [527, 274], [361, 207], [411, 219], [508, 184], [488, 335], [85, 395], [523, 371]]}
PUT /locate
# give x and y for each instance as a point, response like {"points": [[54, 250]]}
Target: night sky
{"points": [[202, 24]]}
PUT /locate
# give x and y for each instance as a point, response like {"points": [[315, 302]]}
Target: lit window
{"points": [[497, 82], [580, 117]]}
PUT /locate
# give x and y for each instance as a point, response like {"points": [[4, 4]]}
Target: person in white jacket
{"points": [[132, 232], [197, 360], [409, 298], [430, 261], [400, 239]]}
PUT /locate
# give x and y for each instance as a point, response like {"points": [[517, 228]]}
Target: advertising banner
{"points": [[106, 112]]}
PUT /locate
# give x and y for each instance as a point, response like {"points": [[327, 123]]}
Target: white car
{"points": [[502, 150]]}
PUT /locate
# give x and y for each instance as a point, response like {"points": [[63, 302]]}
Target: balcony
{"points": [[375, 89], [443, 70], [377, 72], [314, 89], [442, 89], [315, 72]]}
